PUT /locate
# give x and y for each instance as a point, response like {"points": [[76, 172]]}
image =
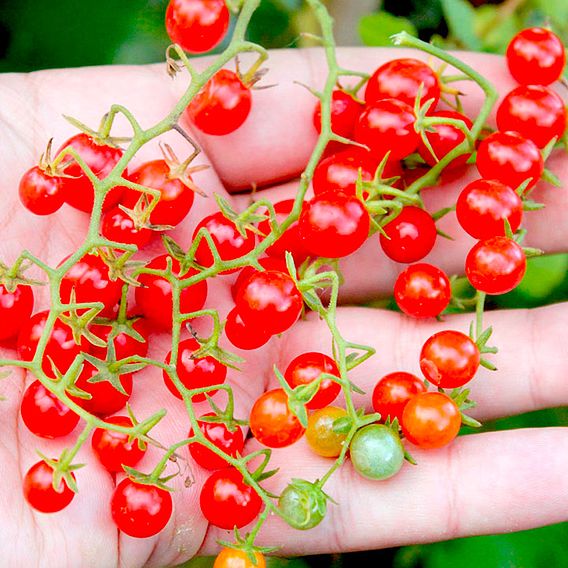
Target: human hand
{"points": [[485, 483]]}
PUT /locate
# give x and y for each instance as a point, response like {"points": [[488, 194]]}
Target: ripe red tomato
{"points": [[268, 263], [402, 79], [272, 422], [227, 501], [345, 111], [270, 300], [176, 198], [140, 510], [229, 242], [197, 25], [236, 558], [119, 227], [509, 158], [495, 265], [334, 224], [45, 415], [339, 172], [410, 237], [125, 345], [40, 192], [154, 296], [422, 291], [60, 348], [536, 56], [444, 138], [195, 373], [535, 112], [232, 443], [306, 368], [449, 359], [113, 449], [430, 420], [105, 399], [392, 393], [90, 278], [40, 493], [15, 310], [222, 105], [242, 335], [387, 125], [101, 158], [291, 240], [483, 206]]}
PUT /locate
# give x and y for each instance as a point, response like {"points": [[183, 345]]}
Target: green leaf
{"points": [[377, 29], [459, 16]]}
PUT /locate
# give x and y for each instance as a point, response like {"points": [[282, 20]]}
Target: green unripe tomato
{"points": [[302, 504], [376, 452]]}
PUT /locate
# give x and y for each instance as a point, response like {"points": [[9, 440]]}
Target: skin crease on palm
{"points": [[480, 484]]}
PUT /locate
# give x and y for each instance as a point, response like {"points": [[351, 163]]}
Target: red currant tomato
{"points": [[483, 206], [495, 265], [195, 373], [40, 192], [176, 198], [535, 112], [334, 224], [422, 291], [91, 281], [15, 310], [449, 359], [229, 242], [113, 449], [536, 56], [242, 335], [101, 158], [430, 420], [345, 111], [410, 237], [444, 139], [340, 171], [509, 158], [105, 398], [402, 79], [40, 493], [222, 105], [119, 227], [291, 240], [126, 341], [388, 126], [197, 25], [392, 393], [231, 443], [60, 348], [237, 558], [270, 300], [268, 263], [272, 422], [306, 368], [140, 510], [154, 296], [227, 501], [45, 415]]}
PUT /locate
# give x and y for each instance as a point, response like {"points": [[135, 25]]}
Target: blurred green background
{"points": [[39, 34]]}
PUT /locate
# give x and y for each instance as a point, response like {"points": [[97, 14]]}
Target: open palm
{"points": [[480, 484]]}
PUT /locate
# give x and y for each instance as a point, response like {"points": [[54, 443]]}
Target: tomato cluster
{"points": [[359, 189]]}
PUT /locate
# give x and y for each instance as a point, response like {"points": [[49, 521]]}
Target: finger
{"points": [[547, 229], [531, 370], [278, 137], [482, 484]]}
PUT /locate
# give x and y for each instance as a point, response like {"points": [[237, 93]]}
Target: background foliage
{"points": [[37, 34]]}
